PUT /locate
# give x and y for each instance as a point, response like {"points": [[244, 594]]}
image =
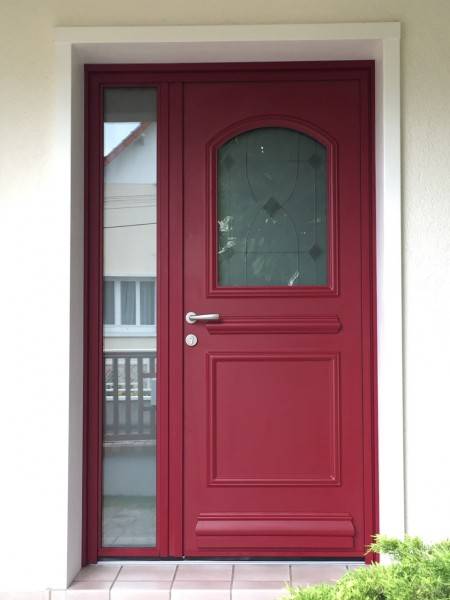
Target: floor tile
{"points": [[204, 572], [261, 572], [201, 590], [311, 574], [141, 590], [89, 590], [257, 590], [98, 573], [153, 572], [30, 595]]}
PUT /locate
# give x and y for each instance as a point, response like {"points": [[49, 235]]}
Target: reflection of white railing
{"points": [[129, 396]]}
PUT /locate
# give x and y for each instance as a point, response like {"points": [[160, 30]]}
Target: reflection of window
{"points": [[129, 306]]}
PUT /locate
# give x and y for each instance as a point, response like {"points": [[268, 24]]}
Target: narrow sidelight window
{"points": [[129, 335]]}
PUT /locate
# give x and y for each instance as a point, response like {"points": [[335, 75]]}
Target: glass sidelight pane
{"points": [[272, 210], [129, 339]]}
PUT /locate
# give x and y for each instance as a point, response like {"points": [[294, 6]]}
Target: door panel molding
{"points": [[332, 462], [305, 324]]}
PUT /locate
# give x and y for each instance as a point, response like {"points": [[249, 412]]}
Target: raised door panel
{"points": [[273, 419]]}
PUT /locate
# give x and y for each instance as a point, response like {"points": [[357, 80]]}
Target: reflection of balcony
{"points": [[130, 398]]}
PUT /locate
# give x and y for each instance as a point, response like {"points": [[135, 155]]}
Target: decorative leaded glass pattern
{"points": [[272, 209]]}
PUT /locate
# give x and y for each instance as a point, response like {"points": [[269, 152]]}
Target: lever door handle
{"points": [[192, 317]]}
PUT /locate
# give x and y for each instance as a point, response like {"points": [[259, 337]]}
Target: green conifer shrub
{"points": [[418, 572]]}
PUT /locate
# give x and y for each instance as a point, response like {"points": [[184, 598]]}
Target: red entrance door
{"points": [[278, 453], [253, 205]]}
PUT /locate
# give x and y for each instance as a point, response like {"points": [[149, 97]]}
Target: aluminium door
{"points": [[278, 454], [242, 194]]}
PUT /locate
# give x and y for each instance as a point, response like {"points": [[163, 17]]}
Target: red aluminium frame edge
{"points": [[92, 342], [169, 80], [371, 320]]}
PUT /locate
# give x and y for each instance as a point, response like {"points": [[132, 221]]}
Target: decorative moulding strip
{"points": [[302, 529], [329, 477], [302, 324]]}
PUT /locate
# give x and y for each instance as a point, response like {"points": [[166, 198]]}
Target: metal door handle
{"points": [[192, 318]]}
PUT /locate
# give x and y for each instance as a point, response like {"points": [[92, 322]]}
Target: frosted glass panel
{"points": [[272, 210], [129, 338]]}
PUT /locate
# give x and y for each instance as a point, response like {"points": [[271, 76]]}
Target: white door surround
{"points": [[76, 47]]}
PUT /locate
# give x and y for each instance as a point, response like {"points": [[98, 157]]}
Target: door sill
{"points": [[353, 563]]}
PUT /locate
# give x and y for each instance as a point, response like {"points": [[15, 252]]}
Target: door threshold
{"points": [[274, 561]]}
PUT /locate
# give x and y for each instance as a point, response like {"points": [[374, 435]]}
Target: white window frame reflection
{"points": [[117, 329]]}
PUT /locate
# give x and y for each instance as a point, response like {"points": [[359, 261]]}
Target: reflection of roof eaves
{"points": [[131, 137]]}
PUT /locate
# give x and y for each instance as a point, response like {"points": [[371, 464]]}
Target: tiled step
{"points": [[196, 581]]}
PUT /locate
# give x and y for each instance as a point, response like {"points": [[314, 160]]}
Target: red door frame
{"points": [[169, 79]]}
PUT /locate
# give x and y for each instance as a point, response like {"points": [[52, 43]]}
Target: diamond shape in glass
{"points": [[272, 206], [315, 251], [315, 161]]}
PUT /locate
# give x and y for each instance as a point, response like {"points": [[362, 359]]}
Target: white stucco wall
{"points": [[35, 446]]}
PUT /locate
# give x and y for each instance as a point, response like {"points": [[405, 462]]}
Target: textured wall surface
{"points": [[34, 303]]}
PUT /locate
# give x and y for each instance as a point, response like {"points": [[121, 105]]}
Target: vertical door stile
{"points": [[159, 369], [176, 258], [93, 368]]}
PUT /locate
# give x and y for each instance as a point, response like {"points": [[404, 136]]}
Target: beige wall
{"points": [[30, 300]]}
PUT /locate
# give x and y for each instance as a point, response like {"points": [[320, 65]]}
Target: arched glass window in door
{"points": [[272, 209]]}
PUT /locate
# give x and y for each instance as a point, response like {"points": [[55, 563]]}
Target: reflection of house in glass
{"points": [[129, 317]]}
